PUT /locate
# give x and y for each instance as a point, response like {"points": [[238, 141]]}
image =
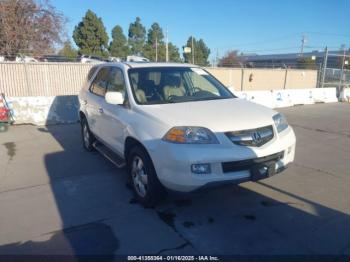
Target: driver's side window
{"points": [[116, 81]]}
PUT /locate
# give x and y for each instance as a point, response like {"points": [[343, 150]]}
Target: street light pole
{"points": [[156, 49], [192, 51], [166, 47]]}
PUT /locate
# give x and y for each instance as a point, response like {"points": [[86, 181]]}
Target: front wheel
{"points": [[146, 186], [88, 137]]}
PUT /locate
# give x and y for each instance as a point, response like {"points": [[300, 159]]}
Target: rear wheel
{"points": [[146, 186], [88, 137]]}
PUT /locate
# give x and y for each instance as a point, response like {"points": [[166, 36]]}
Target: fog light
{"points": [[201, 168]]}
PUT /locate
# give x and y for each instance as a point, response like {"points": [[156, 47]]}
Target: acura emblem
{"points": [[256, 137]]}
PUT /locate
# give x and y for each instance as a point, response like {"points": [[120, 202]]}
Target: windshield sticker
{"points": [[199, 71]]}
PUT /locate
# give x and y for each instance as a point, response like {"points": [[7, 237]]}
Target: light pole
{"points": [[156, 49], [166, 46], [192, 50]]}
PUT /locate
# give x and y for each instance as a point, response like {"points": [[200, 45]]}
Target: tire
{"points": [[87, 137], [141, 170]]}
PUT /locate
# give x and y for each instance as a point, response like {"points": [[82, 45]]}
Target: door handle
{"points": [[85, 102], [100, 110]]}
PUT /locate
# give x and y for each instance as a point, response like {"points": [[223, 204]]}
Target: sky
{"points": [[254, 26]]}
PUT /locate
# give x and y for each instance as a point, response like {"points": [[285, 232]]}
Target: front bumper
{"points": [[229, 163]]}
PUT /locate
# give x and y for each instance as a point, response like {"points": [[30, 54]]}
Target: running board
{"points": [[109, 154]]}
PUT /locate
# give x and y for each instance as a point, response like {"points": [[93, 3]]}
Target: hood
{"points": [[217, 115]]}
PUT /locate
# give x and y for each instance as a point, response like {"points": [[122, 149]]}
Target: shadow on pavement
{"points": [[89, 191]]}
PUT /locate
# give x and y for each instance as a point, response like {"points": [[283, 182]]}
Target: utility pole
{"points": [[324, 66], [303, 41], [217, 57], [166, 46], [156, 49], [192, 50]]}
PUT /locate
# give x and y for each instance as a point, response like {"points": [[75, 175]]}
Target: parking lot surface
{"points": [[56, 198]]}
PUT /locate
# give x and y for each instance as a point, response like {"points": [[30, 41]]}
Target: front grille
{"points": [[251, 137], [235, 166]]}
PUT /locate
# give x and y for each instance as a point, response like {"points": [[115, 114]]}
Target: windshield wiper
{"points": [[210, 98]]}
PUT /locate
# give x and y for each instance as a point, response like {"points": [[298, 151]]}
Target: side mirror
{"points": [[114, 98]]}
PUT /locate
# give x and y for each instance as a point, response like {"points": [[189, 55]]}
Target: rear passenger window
{"points": [[99, 84]]}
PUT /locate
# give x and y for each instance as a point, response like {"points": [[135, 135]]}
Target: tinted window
{"points": [[116, 81], [99, 84]]}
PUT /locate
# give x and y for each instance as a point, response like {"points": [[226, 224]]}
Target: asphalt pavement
{"points": [[56, 198]]}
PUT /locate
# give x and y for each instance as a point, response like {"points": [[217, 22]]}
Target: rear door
{"points": [[95, 100]]}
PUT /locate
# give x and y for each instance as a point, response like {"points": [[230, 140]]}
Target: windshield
{"points": [[162, 85]]}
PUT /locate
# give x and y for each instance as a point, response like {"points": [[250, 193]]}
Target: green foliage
{"points": [[90, 35], [119, 45], [201, 52], [174, 55], [306, 63], [155, 33], [150, 52], [68, 50], [137, 34]]}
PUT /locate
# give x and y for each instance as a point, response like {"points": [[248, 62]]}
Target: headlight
{"points": [[280, 122], [190, 135]]}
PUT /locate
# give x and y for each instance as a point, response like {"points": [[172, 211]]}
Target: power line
{"points": [[330, 34], [270, 40]]}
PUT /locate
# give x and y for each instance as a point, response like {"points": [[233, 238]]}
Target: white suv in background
{"points": [[176, 127]]}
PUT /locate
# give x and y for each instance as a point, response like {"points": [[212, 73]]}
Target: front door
{"points": [[114, 116]]}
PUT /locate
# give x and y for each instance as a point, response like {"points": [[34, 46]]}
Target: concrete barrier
{"points": [[345, 95], [45, 110], [260, 97], [290, 97]]}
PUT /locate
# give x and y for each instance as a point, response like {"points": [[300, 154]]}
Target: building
{"points": [[290, 60]]}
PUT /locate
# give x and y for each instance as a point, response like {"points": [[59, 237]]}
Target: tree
{"points": [[29, 27], [201, 52], [306, 63], [154, 49], [68, 50], [137, 33], [230, 59], [119, 44], [90, 35], [155, 33], [174, 55]]}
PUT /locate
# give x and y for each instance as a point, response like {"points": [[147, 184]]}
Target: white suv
{"points": [[176, 127]]}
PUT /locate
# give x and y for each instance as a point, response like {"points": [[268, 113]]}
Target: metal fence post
{"points": [[342, 71], [324, 66], [285, 79], [319, 75], [242, 80]]}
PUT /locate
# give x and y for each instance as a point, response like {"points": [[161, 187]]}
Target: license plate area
{"points": [[249, 164], [262, 170]]}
